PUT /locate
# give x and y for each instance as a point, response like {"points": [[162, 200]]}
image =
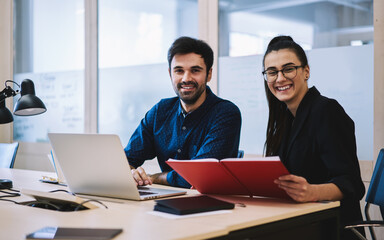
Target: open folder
{"points": [[233, 176]]}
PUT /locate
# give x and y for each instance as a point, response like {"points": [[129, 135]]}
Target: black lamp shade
{"points": [[5, 114], [28, 104]]}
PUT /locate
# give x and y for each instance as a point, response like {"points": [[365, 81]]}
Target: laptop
{"points": [[96, 165]]}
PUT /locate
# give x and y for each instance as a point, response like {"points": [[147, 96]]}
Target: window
{"points": [[134, 37], [49, 50], [246, 27]]}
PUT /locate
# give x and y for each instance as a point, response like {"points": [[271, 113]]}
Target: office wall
{"points": [[6, 59], [378, 16], [208, 31], [378, 125]]}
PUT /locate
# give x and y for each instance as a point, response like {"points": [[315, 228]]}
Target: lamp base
{"points": [[5, 184]]}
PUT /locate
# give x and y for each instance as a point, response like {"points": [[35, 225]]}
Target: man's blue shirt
{"points": [[210, 131]]}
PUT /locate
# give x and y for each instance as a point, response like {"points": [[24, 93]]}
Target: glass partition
{"points": [[49, 50], [246, 27], [134, 37]]}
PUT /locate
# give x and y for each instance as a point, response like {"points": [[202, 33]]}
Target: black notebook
{"points": [[188, 205]]}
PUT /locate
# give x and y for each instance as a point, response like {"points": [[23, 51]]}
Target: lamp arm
{"points": [[7, 92]]}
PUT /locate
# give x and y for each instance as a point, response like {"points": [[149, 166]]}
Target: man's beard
{"points": [[190, 98]]}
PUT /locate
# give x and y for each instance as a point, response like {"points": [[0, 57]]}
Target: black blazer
{"points": [[319, 144]]}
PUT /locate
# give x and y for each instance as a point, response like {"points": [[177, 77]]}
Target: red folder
{"points": [[233, 176]]}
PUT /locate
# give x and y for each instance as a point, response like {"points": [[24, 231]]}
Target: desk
{"points": [[261, 218]]}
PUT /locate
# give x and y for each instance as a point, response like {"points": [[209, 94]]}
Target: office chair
{"points": [[240, 154], [375, 196], [8, 154]]}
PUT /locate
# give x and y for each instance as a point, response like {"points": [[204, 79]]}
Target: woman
{"points": [[312, 134]]}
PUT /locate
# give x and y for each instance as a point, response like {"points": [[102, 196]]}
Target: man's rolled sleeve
{"points": [[174, 179]]}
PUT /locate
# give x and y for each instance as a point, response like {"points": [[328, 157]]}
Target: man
{"points": [[194, 125]]}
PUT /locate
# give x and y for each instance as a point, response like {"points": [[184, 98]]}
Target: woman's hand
{"points": [[301, 191], [298, 188]]}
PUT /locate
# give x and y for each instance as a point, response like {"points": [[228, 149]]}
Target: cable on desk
{"points": [[17, 194], [9, 194], [82, 203], [8, 200], [13, 190], [89, 200], [43, 204], [62, 190], [49, 204]]}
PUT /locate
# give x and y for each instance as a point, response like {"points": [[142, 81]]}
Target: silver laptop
{"points": [[96, 164]]}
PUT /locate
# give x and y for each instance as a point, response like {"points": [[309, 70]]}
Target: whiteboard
{"points": [[342, 73], [125, 95], [63, 96]]}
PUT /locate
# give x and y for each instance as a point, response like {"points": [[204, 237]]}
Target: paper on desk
{"points": [[59, 174], [174, 216]]}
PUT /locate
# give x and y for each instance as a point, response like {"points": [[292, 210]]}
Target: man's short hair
{"points": [[185, 45]]}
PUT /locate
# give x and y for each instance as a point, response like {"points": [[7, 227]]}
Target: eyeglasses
{"points": [[270, 75]]}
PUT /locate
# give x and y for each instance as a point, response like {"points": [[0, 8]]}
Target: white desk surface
{"points": [[133, 216]]}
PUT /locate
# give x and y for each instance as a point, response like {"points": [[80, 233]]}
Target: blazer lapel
{"points": [[301, 116]]}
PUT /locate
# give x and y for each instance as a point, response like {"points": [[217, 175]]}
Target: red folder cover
{"points": [[233, 176]]}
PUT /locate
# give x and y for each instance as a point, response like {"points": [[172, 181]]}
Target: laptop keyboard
{"points": [[145, 192], [142, 193]]}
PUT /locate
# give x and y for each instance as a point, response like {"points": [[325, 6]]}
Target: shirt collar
{"points": [[182, 111], [210, 98]]}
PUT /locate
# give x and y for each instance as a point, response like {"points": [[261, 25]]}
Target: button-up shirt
{"points": [[166, 131]]}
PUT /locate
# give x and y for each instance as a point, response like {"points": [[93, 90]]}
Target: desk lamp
{"points": [[27, 105]]}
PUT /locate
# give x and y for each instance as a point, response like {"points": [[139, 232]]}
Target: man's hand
{"points": [[141, 176], [159, 178]]}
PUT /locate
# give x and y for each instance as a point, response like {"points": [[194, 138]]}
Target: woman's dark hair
{"points": [[277, 110], [185, 45]]}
